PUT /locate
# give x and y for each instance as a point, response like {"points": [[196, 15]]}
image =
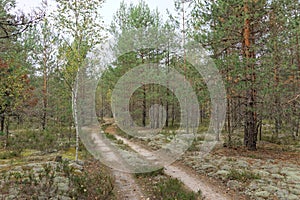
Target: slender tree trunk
{"points": [[144, 107], [45, 92], [173, 111], [2, 120], [277, 103], [260, 130], [132, 109], [75, 113], [260, 124], [7, 132], [167, 110], [298, 81], [297, 124], [168, 91], [70, 130], [250, 130], [228, 102], [157, 113], [102, 104], [161, 114], [229, 121]]}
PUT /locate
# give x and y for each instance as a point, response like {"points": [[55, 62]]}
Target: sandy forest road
{"points": [[126, 187], [187, 176]]}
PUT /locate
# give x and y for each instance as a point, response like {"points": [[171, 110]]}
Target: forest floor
{"points": [[271, 172], [39, 175]]}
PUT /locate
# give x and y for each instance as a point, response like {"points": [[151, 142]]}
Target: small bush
{"points": [[93, 183]]}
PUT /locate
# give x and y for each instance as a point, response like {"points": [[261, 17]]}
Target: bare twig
{"points": [[294, 99]]}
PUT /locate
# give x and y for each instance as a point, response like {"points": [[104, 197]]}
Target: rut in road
{"points": [[126, 187], [191, 181]]}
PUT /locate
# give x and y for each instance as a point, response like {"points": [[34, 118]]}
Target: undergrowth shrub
{"points": [[42, 140], [93, 183], [242, 175], [9, 154]]}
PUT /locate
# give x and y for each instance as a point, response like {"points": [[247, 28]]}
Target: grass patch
{"points": [[69, 154], [150, 174], [158, 186], [105, 126], [171, 189], [9, 154], [243, 176], [283, 140], [123, 134], [28, 152], [171, 128], [110, 136], [41, 140], [118, 142], [254, 156], [231, 159]]}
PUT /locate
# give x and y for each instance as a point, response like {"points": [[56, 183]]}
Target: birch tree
{"points": [[79, 26]]}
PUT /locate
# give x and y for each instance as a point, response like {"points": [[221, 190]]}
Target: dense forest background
{"points": [[254, 45]]}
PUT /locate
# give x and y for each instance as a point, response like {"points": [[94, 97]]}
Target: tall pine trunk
{"points": [[45, 92], [2, 120], [144, 106], [250, 118]]}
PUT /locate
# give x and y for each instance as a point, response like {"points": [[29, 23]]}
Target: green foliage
{"points": [[9, 154], [173, 189], [220, 27], [80, 30], [134, 17], [110, 136], [80, 27], [42, 140], [15, 89], [284, 140], [150, 174], [154, 41], [242, 175]]}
